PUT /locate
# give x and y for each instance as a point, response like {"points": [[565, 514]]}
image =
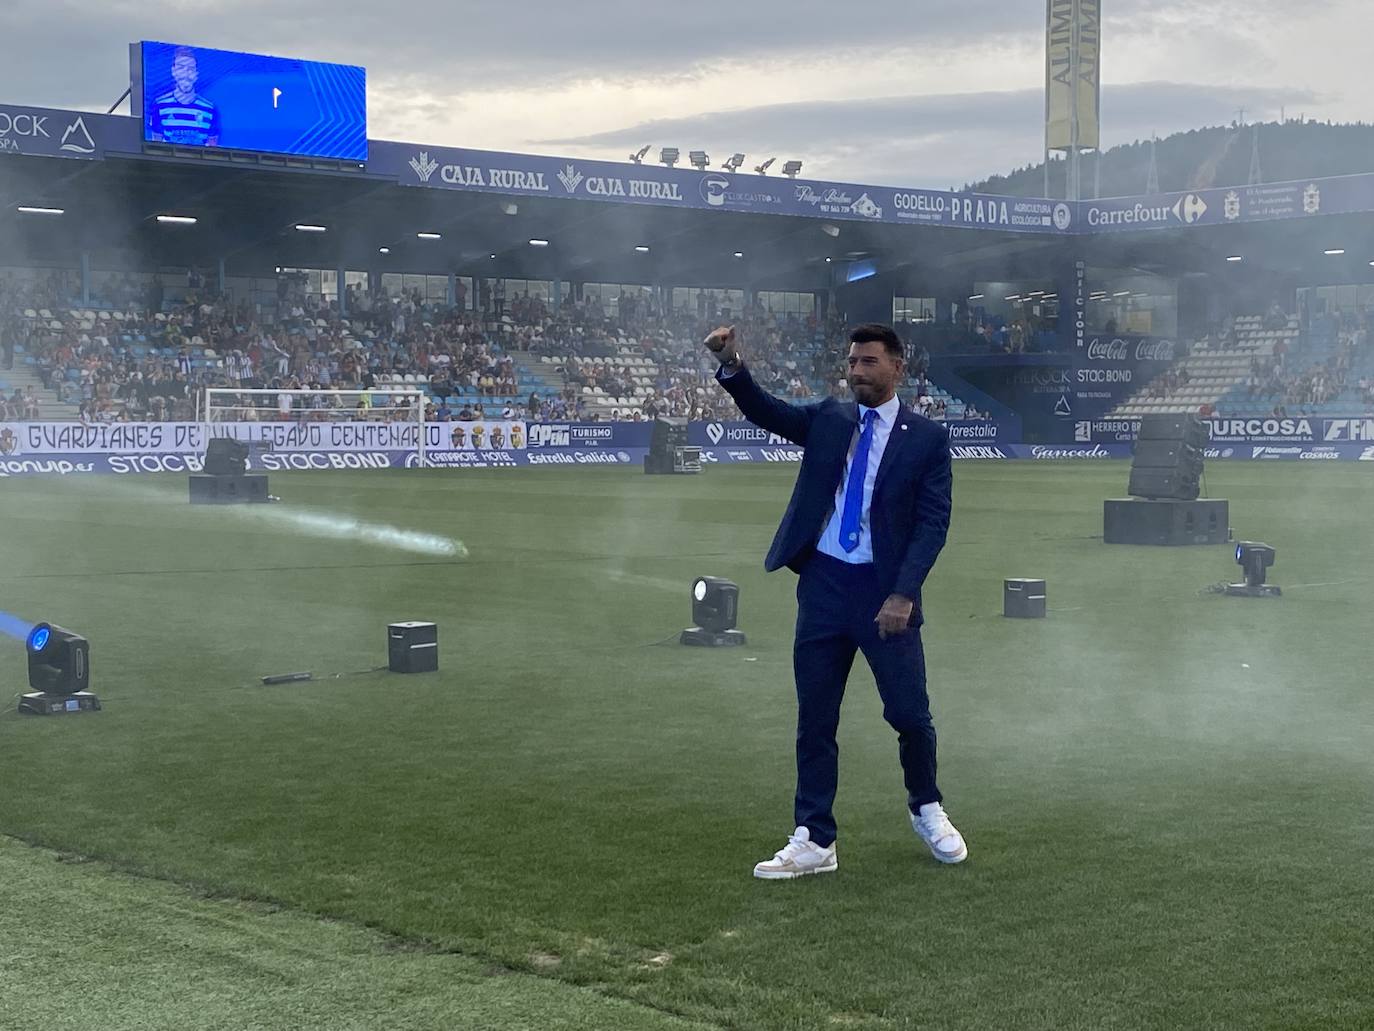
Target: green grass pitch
{"points": [[1166, 793]]}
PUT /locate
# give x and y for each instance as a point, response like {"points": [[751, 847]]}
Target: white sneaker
{"points": [[799, 857], [932, 825]]}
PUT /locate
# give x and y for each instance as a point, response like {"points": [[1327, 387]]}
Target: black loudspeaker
{"points": [[228, 490], [59, 660], [225, 456], [1168, 457], [1170, 523], [1173, 427], [1023, 599], [668, 436], [412, 647]]}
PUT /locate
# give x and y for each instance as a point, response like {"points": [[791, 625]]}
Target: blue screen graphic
{"points": [[198, 97]]}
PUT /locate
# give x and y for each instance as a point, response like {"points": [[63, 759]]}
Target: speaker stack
{"points": [[669, 451], [226, 480], [1166, 473]]}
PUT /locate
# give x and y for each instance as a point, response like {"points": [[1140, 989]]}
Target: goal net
{"points": [[395, 414]]}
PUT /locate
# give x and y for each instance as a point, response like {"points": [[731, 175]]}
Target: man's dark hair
{"points": [[871, 332]]}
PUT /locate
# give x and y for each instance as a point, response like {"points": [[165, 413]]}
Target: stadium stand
{"points": [[1262, 365], [1212, 369], [136, 356]]}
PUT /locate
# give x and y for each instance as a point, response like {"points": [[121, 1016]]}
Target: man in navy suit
{"points": [[867, 519]]}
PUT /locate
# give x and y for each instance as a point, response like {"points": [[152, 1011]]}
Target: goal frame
{"points": [[205, 407]]}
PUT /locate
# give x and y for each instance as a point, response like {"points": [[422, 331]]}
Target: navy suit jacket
{"points": [[909, 513]]}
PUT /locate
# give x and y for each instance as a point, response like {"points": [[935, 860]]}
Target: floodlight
{"points": [[430, 236], [763, 168], [1334, 251], [383, 250], [739, 254], [31, 209], [734, 162], [715, 608], [178, 220], [642, 249], [668, 156], [1235, 257], [700, 159], [638, 156], [792, 168], [305, 227], [539, 243]]}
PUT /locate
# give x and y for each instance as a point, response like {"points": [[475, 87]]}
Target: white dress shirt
{"points": [[829, 543]]}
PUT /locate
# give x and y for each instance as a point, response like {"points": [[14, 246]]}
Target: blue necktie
{"points": [[854, 490]]}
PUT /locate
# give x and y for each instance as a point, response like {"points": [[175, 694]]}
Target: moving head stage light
{"points": [[59, 672], [1254, 559], [715, 609]]}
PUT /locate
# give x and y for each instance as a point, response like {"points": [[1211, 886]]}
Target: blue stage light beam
{"points": [[14, 626]]}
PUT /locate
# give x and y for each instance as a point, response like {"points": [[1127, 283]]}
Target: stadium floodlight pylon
{"points": [[221, 405]]}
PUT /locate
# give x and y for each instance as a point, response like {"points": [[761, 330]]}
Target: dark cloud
{"points": [[71, 53], [71, 50]]}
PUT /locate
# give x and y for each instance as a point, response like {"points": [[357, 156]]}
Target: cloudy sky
{"points": [[927, 93]]}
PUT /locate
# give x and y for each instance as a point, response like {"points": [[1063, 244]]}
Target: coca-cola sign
{"points": [[1100, 350], [1154, 351]]}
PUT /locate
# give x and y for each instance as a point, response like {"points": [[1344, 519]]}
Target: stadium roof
{"points": [[595, 214]]}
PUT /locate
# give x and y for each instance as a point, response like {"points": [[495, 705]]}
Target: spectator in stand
{"points": [[9, 331]]}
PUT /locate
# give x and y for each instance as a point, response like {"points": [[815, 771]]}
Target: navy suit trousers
{"points": [[836, 605]]}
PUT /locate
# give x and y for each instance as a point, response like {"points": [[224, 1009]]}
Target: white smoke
{"points": [[336, 527]]}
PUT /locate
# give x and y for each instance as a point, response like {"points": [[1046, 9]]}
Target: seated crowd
{"points": [[131, 361], [143, 357]]}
